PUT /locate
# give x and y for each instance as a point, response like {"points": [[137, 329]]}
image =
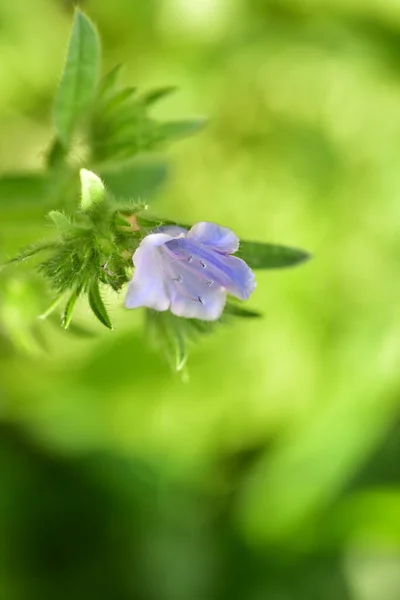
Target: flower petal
{"points": [[206, 311], [147, 287], [192, 296], [172, 230], [227, 271], [220, 238]]}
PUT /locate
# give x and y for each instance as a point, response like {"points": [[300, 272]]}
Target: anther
{"points": [[190, 259], [203, 264], [200, 299], [209, 283]]}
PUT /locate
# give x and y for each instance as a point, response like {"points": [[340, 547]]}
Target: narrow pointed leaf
{"points": [[236, 310], [157, 94], [28, 252], [180, 129], [56, 154], [69, 309], [50, 310], [119, 98], [97, 305], [258, 255], [61, 221], [169, 334], [80, 76], [174, 335], [109, 81], [270, 256]]}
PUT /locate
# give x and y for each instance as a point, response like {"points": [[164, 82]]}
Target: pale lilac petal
{"points": [[227, 271], [172, 230], [220, 238], [147, 287], [191, 293], [209, 309], [189, 273]]}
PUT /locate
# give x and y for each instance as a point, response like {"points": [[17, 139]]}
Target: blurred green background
{"points": [[273, 470]]}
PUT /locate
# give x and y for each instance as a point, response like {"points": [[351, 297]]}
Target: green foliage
{"points": [[237, 310], [61, 221], [75, 261], [270, 256], [106, 126], [69, 308], [97, 305], [157, 94], [28, 252], [136, 178], [274, 471], [79, 79], [121, 127], [174, 335], [258, 255], [178, 129]]}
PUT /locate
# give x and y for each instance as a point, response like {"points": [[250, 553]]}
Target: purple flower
{"points": [[189, 272]]}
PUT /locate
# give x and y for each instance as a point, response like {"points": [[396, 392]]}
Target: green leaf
{"points": [[61, 221], [79, 79], [180, 129], [168, 333], [270, 256], [109, 81], [174, 335], [56, 154], [237, 310], [157, 94], [119, 98], [97, 305], [50, 310], [135, 178], [258, 255], [67, 316], [92, 190], [28, 252]]}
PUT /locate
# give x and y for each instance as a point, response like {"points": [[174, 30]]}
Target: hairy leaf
{"points": [[67, 316], [97, 305], [61, 221], [28, 252]]}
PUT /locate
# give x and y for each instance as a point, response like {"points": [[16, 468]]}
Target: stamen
{"points": [[190, 259], [178, 279], [209, 283], [200, 299], [203, 264]]}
